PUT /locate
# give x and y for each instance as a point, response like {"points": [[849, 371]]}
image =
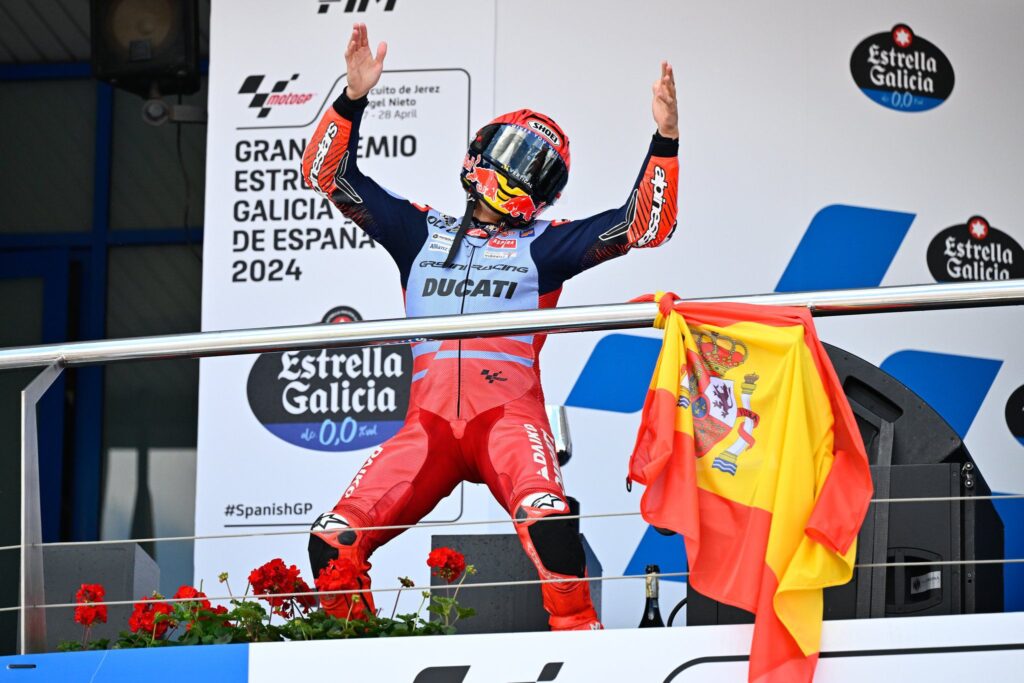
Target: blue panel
{"points": [[38, 72], [1012, 512], [221, 663], [617, 374], [668, 552], [954, 386], [845, 246]]}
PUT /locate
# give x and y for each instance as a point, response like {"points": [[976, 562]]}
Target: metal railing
{"points": [[55, 357], [570, 319]]}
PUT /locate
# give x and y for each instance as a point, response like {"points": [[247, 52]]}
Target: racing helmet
{"points": [[517, 164]]}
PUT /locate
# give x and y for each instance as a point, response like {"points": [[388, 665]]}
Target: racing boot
{"points": [[332, 537], [555, 548]]}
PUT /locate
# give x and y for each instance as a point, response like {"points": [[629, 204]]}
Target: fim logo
{"points": [[274, 97], [354, 5]]}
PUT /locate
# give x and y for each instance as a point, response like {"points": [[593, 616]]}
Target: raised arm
{"points": [[330, 168], [646, 219]]}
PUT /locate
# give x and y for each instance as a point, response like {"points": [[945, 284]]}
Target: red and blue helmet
{"points": [[517, 165]]}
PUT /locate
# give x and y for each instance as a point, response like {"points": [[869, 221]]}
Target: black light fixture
{"points": [[150, 48]]}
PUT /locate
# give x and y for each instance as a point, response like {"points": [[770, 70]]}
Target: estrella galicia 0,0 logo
{"points": [[342, 399], [901, 70]]}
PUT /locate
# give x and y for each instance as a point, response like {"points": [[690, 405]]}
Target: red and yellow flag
{"points": [[748, 448]]}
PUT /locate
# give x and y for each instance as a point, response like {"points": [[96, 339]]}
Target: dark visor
{"points": [[527, 160]]}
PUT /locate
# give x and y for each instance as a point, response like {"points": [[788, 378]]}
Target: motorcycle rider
{"points": [[476, 411]]}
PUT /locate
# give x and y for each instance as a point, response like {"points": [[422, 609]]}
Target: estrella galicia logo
{"points": [[1015, 414], [332, 399], [353, 5], [274, 97], [974, 251], [342, 314], [901, 70]]}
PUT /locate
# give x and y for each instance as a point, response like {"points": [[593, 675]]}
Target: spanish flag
{"points": [[748, 448]]}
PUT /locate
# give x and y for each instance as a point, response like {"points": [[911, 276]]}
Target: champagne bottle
{"points": [[652, 614]]}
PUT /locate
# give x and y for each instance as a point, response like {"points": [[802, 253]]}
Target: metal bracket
{"points": [[31, 593]]}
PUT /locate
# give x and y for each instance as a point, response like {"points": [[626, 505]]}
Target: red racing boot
{"points": [[332, 538], [555, 548]]}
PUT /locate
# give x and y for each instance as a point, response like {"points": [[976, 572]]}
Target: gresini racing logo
{"points": [[901, 70], [265, 97], [332, 399], [353, 5]]}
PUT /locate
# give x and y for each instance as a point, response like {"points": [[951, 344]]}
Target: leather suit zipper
{"points": [[462, 309]]}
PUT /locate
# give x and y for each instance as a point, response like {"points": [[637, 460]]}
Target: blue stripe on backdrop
{"points": [[668, 552], [221, 663], [955, 386], [617, 374], [845, 246], [1012, 513]]}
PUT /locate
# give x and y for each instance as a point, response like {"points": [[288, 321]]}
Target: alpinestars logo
{"points": [[330, 520], [354, 5], [545, 501], [321, 154], [264, 101], [658, 185]]}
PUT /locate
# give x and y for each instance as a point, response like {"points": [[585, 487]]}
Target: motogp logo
{"points": [[276, 96]]}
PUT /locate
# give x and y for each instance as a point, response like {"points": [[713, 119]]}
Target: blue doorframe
{"points": [[89, 249]]}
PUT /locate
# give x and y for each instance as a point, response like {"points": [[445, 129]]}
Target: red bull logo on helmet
{"points": [[485, 179], [520, 206]]}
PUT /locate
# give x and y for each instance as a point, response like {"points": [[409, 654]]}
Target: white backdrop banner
{"points": [[823, 146]]}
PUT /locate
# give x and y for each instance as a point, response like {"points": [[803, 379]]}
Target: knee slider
{"points": [[557, 541]]}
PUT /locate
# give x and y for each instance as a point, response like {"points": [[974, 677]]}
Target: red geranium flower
{"points": [[143, 617], [338, 575], [447, 563], [197, 595], [274, 578], [86, 613], [200, 600]]}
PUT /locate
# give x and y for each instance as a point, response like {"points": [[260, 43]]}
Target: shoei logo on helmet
{"points": [[546, 131]]}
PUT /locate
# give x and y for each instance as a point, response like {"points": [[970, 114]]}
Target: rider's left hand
{"points": [[666, 115]]}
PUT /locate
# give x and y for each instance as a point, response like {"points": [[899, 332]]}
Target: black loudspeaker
{"points": [[139, 45], [914, 454]]}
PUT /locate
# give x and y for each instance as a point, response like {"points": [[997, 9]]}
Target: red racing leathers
{"points": [[476, 410]]}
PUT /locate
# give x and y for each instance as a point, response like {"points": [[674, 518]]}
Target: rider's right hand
{"points": [[363, 68]]}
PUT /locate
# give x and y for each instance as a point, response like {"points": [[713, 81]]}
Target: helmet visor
{"points": [[527, 160]]}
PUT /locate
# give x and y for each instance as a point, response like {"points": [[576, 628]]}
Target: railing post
{"points": [[32, 617]]}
